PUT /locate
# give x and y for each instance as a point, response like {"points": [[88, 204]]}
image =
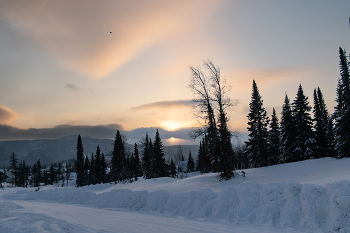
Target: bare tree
{"points": [[210, 103], [202, 103]]}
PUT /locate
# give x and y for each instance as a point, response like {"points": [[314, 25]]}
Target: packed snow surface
{"points": [[307, 196]]}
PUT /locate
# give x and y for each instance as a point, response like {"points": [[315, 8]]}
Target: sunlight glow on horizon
{"points": [[174, 125]]}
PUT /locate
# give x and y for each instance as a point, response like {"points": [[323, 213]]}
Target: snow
{"points": [[307, 196]]}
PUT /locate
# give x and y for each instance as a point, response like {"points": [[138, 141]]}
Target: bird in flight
{"points": [[110, 32]]}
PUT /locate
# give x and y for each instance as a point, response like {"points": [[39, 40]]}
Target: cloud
{"points": [[99, 131], [163, 105], [7, 115], [242, 79], [72, 87], [78, 34]]}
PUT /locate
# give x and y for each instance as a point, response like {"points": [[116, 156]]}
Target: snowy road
{"points": [[51, 217]]}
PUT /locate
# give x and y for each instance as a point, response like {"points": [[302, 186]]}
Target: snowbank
{"points": [[279, 205]]}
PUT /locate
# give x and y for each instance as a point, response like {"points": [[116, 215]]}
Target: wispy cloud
{"points": [[7, 115], [163, 105], [268, 76], [82, 41], [72, 87]]}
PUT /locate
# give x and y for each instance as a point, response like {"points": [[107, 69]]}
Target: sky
{"points": [[92, 68]]}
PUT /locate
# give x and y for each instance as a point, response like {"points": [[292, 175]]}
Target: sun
{"points": [[174, 125]]}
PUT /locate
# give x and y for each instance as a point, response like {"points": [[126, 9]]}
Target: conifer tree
{"points": [[128, 173], [52, 175], [224, 156], [13, 167], [190, 163], [80, 163], [287, 128], [136, 163], [331, 138], [203, 161], [97, 167], [342, 110], [199, 166], [172, 169], [158, 154], [146, 157], [103, 169], [118, 159], [274, 140], [59, 174], [321, 119], [257, 150], [22, 178], [152, 160], [46, 179], [86, 171], [303, 134], [38, 174], [92, 170]]}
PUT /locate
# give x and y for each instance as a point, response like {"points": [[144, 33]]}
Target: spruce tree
{"points": [[303, 134], [103, 169], [274, 140], [152, 168], [52, 175], [206, 165], [257, 150], [80, 163], [21, 175], [13, 167], [98, 168], [190, 163], [86, 171], [146, 157], [287, 129], [118, 159], [158, 154], [92, 170], [136, 163], [172, 169], [199, 166], [38, 173], [342, 110], [321, 119]]}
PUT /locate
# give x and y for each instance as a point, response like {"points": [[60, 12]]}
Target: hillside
{"points": [[57, 150]]}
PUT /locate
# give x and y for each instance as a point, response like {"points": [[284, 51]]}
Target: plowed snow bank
{"points": [[279, 205]]}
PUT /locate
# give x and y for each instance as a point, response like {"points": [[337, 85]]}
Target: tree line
{"points": [[125, 166], [23, 175], [299, 136]]}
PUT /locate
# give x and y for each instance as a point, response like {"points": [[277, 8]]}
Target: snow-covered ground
{"points": [[308, 196]]}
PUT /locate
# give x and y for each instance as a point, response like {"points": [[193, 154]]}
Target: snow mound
{"points": [[6, 206], [287, 205]]}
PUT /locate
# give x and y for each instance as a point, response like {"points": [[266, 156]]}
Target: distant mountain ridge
{"points": [[62, 149]]}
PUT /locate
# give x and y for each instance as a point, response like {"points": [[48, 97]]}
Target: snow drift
{"points": [[286, 205]]}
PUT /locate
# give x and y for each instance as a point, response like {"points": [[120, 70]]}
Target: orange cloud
{"points": [[7, 116], [78, 32], [269, 76]]}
